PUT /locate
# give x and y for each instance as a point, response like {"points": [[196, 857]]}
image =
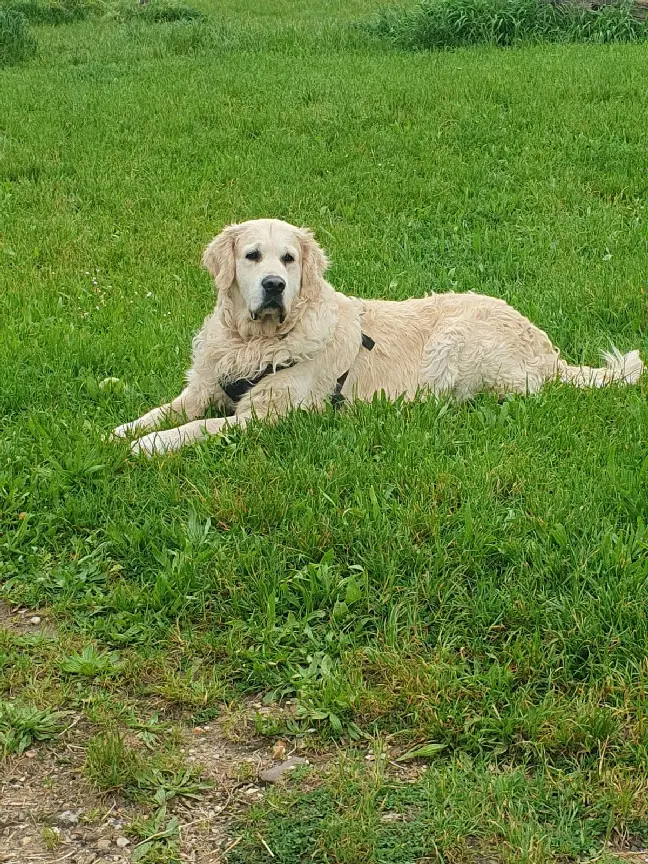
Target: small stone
{"points": [[25, 841], [103, 843], [122, 842], [30, 754], [67, 818], [35, 619], [272, 775], [251, 791]]}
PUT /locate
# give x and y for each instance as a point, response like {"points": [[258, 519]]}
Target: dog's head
{"points": [[265, 265]]}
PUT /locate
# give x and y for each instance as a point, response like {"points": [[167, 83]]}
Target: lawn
{"points": [[359, 585]]}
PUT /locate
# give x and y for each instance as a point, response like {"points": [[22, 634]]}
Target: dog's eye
{"points": [[287, 258], [255, 255]]}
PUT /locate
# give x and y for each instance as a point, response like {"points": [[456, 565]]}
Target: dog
{"points": [[280, 337]]}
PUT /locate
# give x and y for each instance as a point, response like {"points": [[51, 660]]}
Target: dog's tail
{"points": [[624, 368]]}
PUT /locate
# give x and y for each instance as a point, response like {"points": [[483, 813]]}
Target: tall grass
{"points": [[53, 11], [434, 24], [164, 10], [16, 43], [66, 11]]}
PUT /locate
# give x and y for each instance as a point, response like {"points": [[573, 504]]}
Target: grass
{"points": [[23, 725], [68, 11], [53, 11], [360, 815], [472, 577], [91, 662], [435, 24], [16, 42], [115, 765]]}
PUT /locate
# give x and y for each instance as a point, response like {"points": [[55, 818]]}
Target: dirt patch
{"points": [[17, 619], [233, 757], [50, 813]]}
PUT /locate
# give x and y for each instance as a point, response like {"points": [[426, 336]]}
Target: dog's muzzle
{"points": [[273, 288]]}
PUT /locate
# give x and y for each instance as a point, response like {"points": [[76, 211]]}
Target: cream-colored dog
{"points": [[281, 337]]}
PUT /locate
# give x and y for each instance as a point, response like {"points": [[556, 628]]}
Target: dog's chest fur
{"points": [[225, 356]]}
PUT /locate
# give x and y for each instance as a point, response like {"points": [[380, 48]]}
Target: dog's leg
{"points": [[269, 400], [168, 440], [191, 403]]}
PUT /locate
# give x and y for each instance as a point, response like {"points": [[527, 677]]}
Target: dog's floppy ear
{"points": [[218, 257], [314, 262]]}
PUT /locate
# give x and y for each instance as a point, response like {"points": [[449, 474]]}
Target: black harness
{"points": [[236, 390], [337, 398]]}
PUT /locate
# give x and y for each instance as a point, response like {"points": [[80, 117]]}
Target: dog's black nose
{"points": [[273, 285]]}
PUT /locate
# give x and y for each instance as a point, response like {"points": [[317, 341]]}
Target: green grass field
{"points": [[472, 577]]}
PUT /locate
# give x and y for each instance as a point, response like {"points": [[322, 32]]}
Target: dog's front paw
{"points": [[157, 443], [122, 431], [148, 445]]}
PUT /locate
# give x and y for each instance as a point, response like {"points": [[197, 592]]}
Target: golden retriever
{"points": [[281, 337]]}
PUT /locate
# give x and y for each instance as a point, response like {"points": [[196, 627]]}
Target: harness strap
{"points": [[337, 399], [236, 390]]}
